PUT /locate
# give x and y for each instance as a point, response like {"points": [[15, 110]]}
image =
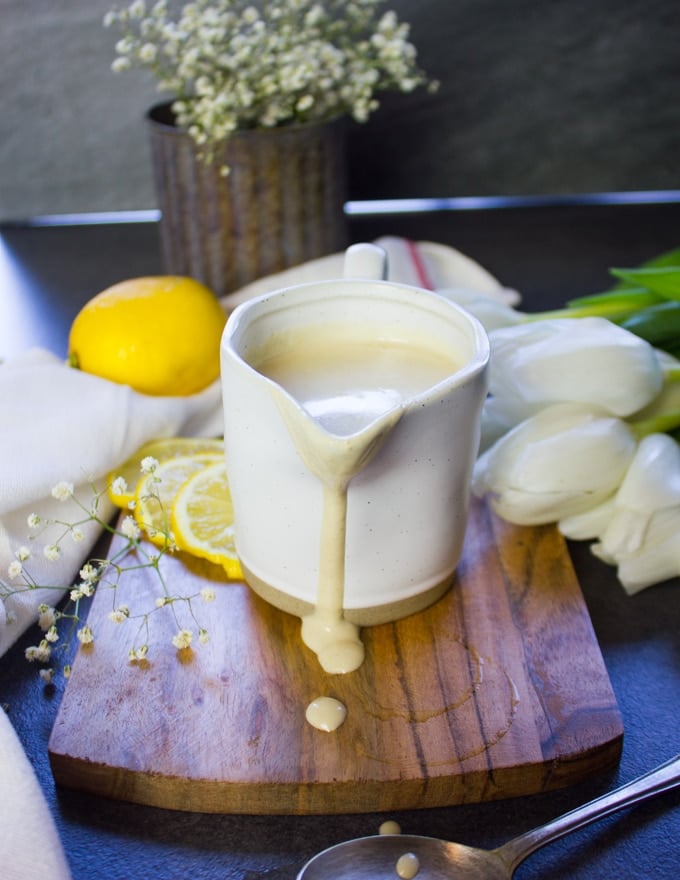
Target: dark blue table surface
{"points": [[547, 251]]}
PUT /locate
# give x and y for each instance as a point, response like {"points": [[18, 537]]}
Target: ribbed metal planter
{"points": [[280, 205]]}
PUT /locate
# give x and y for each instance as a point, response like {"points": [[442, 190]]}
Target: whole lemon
{"points": [[159, 334]]}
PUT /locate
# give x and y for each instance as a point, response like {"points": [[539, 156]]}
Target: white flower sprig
{"points": [[63, 623], [237, 64]]}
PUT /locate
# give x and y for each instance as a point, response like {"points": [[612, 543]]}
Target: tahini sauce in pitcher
{"points": [[344, 395]]}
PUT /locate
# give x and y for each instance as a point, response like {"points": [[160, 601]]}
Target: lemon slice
{"points": [[203, 518], [161, 449], [156, 491]]}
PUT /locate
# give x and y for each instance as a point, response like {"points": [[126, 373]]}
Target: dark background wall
{"points": [[559, 96], [537, 96]]}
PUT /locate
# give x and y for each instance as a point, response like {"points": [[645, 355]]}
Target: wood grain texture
{"points": [[497, 690]]}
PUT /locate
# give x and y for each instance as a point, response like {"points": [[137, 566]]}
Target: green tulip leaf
{"points": [[662, 260], [662, 280], [627, 299], [658, 324]]}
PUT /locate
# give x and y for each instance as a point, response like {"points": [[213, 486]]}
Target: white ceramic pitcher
{"points": [[350, 482]]}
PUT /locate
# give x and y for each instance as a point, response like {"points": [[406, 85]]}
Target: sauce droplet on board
{"points": [[390, 827], [407, 866], [326, 713]]}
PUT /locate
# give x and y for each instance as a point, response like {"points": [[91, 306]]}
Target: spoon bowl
{"points": [[377, 857]]}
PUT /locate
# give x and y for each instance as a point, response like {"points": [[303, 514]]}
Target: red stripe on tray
{"points": [[419, 266]]}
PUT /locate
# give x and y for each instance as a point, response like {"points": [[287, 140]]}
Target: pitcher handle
{"points": [[367, 261]]}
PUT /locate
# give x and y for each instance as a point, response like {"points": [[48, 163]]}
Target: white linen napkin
{"points": [[60, 424], [29, 843]]}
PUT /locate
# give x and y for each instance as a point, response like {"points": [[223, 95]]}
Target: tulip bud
{"points": [[564, 460], [491, 312], [658, 557], [588, 525], [651, 483], [586, 360]]}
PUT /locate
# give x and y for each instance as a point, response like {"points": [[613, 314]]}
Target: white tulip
{"points": [[657, 559], [588, 525], [668, 400], [651, 483], [586, 360], [494, 423], [491, 312], [564, 460]]}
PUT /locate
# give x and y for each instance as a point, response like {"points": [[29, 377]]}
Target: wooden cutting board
{"points": [[498, 690]]}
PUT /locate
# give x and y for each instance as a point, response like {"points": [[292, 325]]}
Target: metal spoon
{"points": [[377, 856]]}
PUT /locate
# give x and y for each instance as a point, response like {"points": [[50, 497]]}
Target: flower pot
{"points": [[280, 204]]}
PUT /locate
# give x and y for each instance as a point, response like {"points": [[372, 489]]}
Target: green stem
{"points": [[661, 424], [614, 311]]}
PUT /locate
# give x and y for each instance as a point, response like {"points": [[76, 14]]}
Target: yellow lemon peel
{"points": [[158, 334]]}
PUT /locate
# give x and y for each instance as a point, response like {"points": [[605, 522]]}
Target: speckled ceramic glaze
{"points": [[407, 509]]}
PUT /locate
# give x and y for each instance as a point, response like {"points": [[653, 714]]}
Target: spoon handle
{"points": [[664, 778]]}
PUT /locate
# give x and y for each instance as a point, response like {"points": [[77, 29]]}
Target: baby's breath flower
{"points": [[136, 655], [60, 627], [149, 464], [14, 569], [52, 552], [137, 9], [62, 491], [38, 653], [120, 614], [203, 636], [130, 528], [148, 53], [89, 572], [125, 45], [304, 103], [182, 639], [119, 486], [47, 616], [235, 64], [85, 635], [77, 535]]}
